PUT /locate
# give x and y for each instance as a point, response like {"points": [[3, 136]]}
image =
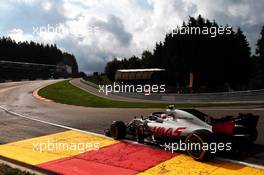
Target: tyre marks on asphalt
{"points": [[185, 165], [113, 157], [14, 128]]}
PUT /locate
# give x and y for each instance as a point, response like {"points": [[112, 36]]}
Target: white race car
{"points": [[196, 129]]}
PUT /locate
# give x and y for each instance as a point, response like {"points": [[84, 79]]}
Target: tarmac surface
{"points": [[18, 98]]}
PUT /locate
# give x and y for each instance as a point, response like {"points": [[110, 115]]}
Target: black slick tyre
{"points": [[118, 130], [140, 134], [195, 143]]}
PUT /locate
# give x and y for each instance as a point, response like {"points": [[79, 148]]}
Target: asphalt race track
{"points": [[18, 98]]}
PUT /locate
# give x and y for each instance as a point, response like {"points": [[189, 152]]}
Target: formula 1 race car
{"points": [[191, 127]]}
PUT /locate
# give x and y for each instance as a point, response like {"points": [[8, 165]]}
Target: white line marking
{"points": [[50, 123], [100, 135], [232, 109]]}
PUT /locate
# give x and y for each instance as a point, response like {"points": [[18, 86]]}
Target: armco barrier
{"points": [[253, 95], [235, 96]]}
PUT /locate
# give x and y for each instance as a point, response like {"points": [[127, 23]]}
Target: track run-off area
{"points": [[31, 130]]}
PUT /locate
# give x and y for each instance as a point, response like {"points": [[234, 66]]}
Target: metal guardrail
{"points": [[254, 95], [234, 96], [28, 64]]}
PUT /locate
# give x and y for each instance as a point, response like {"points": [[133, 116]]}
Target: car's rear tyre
{"points": [[140, 134], [118, 130], [253, 136], [201, 138]]}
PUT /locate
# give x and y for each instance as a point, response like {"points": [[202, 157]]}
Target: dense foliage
{"points": [[258, 80], [31, 52], [217, 62]]}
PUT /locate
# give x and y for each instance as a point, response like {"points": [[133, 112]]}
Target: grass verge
{"points": [[64, 92], [102, 79]]}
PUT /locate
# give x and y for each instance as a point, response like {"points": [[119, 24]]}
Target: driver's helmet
{"points": [[163, 116]]}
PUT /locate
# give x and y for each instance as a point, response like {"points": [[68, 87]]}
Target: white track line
{"points": [[232, 109], [50, 123], [100, 135]]}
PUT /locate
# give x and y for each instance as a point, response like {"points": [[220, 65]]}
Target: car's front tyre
{"points": [[118, 130]]}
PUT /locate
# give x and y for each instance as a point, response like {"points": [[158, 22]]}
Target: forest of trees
{"points": [[217, 63], [257, 81], [31, 52]]}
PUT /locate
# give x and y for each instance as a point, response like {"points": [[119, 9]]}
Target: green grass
{"points": [[99, 80], [64, 92]]}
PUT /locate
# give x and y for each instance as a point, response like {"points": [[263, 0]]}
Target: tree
{"points": [[241, 60], [111, 68], [32, 52], [134, 62], [69, 59], [216, 60], [258, 81], [146, 59]]}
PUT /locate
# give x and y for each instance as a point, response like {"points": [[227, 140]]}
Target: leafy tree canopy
{"points": [[216, 55]]}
